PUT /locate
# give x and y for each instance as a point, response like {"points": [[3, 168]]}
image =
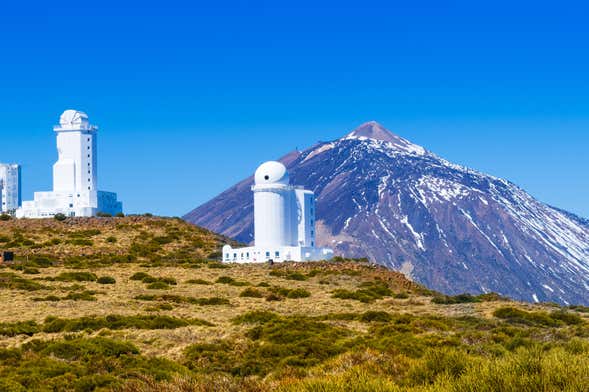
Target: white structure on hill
{"points": [[75, 180], [284, 221], [10, 188]]}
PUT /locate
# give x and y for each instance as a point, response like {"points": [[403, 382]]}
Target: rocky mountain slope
{"points": [[449, 227]]}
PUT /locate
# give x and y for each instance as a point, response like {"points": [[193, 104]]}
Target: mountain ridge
{"points": [[447, 226]]}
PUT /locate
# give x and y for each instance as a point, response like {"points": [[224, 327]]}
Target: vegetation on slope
{"points": [[97, 322]]}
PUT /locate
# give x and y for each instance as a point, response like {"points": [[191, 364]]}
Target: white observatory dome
{"points": [[272, 172], [73, 119]]}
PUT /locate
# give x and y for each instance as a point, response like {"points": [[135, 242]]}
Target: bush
{"points": [[106, 280], [375, 316], [111, 239], [230, 281], [252, 293], [120, 215], [298, 293], [60, 217], [457, 299], [139, 276], [181, 299], [5, 217], [9, 280], [86, 295], [81, 242], [198, 281], [369, 292], [116, 322], [277, 343], [554, 319], [76, 277], [158, 286], [28, 328]]}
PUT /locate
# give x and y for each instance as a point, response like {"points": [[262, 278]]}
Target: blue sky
{"points": [[191, 97]]}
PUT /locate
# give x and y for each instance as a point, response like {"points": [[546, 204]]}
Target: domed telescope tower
{"points": [[75, 174], [284, 221], [75, 169]]}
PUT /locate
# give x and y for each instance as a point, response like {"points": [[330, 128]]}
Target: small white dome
{"points": [[73, 119], [272, 172]]}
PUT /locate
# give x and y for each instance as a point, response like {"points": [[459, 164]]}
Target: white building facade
{"points": [[75, 179], [284, 221], [10, 187]]}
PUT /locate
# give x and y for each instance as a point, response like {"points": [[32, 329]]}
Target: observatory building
{"points": [[75, 178], [284, 221], [10, 188]]}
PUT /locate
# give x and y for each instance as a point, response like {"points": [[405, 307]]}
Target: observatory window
{"points": [[277, 254], [267, 254], [266, 177], [88, 155]]}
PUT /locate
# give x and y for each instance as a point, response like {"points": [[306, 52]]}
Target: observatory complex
{"points": [[10, 188], [284, 221], [75, 176]]}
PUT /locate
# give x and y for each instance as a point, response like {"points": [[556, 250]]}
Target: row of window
{"points": [[247, 255]]}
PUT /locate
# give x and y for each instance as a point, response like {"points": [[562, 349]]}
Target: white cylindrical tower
{"points": [[75, 169], [273, 206]]}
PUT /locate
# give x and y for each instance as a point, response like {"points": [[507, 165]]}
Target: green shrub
{"points": [[230, 281], [5, 217], [213, 301], [111, 239], [369, 292], [86, 295], [456, 299], [106, 280], [218, 265], [298, 293], [182, 299], [554, 319], [140, 276], [59, 217], [296, 276], [77, 276], [276, 343], [80, 242], [158, 286], [31, 271], [49, 298], [116, 322], [375, 316], [252, 293], [198, 281], [9, 280], [28, 328]]}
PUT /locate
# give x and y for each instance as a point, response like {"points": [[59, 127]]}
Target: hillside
{"points": [[448, 227], [109, 240], [133, 316]]}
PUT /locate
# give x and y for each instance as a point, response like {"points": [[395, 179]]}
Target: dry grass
{"points": [[359, 320]]}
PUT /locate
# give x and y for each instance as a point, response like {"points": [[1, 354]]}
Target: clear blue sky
{"points": [[192, 96]]}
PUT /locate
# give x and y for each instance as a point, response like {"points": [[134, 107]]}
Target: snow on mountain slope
{"points": [[446, 226]]}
